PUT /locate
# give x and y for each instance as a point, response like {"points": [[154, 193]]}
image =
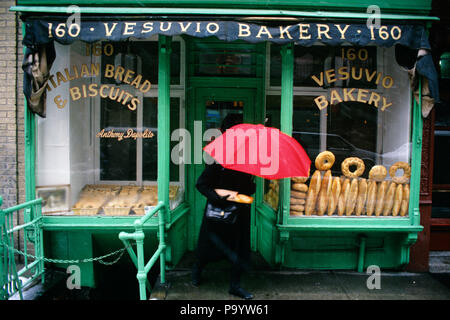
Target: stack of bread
{"points": [[350, 194], [271, 196], [92, 198], [147, 197], [298, 195], [122, 203]]}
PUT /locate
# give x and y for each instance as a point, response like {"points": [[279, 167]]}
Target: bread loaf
{"points": [[299, 187], [313, 191], [334, 197], [389, 200], [351, 198], [371, 197], [397, 200], [362, 197], [297, 201], [381, 195], [343, 197], [405, 200], [324, 193], [298, 194]]}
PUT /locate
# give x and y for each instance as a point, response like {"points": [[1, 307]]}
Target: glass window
{"points": [[98, 143], [353, 102]]}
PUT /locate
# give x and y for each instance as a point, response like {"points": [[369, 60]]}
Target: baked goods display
{"points": [[271, 196], [350, 194], [115, 200], [92, 198]]}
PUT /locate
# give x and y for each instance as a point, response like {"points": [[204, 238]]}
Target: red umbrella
{"points": [[261, 151]]}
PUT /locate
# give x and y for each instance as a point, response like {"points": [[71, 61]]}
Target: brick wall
{"points": [[9, 124]]}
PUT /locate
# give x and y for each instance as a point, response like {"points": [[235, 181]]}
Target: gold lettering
{"points": [[147, 27], [183, 27], [319, 82], [362, 94], [75, 93], [109, 70], [302, 31], [345, 74], [285, 31], [335, 97], [330, 76], [323, 29], [244, 30], [128, 76], [342, 31], [321, 102], [264, 30], [108, 31], [348, 94], [385, 104], [385, 84], [129, 28], [374, 99]]}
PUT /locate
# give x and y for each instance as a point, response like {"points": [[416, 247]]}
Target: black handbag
{"points": [[227, 214]]}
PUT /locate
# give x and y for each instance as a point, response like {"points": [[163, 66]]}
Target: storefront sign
{"points": [[353, 94], [43, 31]]}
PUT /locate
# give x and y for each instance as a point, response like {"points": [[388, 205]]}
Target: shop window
{"points": [[353, 102], [99, 139], [210, 58]]}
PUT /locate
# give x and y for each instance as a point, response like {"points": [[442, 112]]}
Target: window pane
{"points": [[271, 187], [117, 158], [142, 58], [441, 174], [150, 147]]}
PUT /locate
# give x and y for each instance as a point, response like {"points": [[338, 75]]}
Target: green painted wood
{"points": [[286, 114], [223, 12], [422, 6]]}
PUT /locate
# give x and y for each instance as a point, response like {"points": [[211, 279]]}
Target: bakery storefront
{"points": [[121, 100]]}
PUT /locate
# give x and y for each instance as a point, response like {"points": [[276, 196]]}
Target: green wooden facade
{"points": [[307, 242]]}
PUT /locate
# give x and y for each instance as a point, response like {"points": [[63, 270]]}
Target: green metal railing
{"points": [[138, 260], [12, 281]]}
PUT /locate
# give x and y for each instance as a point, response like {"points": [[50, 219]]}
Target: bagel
{"points": [[381, 194], [378, 173], [397, 200], [371, 197], [342, 201], [298, 194], [299, 187], [405, 201], [406, 172], [362, 196], [389, 201], [334, 195], [351, 198], [324, 193], [297, 201], [299, 179], [324, 161], [352, 161]]}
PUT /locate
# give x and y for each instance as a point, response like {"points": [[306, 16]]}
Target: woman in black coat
{"points": [[219, 240]]}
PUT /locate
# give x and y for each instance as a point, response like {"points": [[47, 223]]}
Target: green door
{"points": [[209, 108]]}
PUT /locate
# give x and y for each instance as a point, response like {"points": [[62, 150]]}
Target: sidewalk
{"points": [[307, 285], [269, 284]]}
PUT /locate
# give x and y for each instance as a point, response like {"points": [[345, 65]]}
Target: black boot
{"points": [[196, 275], [241, 293]]}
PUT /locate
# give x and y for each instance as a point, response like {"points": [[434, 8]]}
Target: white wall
{"points": [[53, 145], [396, 118]]}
